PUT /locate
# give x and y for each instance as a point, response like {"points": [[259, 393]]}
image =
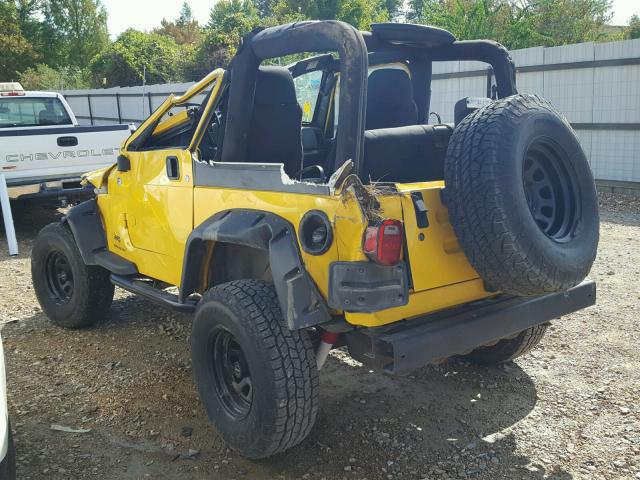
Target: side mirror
{"points": [[124, 164]]}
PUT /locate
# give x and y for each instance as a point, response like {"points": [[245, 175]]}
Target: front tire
{"points": [[71, 294], [257, 379], [508, 349]]}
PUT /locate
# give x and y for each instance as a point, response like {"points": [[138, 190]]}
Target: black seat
{"points": [[274, 134], [390, 100], [47, 117], [408, 154]]}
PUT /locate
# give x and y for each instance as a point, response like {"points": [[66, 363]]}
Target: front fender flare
{"points": [[301, 303]]}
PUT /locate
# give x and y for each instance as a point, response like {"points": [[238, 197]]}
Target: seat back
{"points": [[405, 154], [274, 134], [390, 100], [47, 117]]}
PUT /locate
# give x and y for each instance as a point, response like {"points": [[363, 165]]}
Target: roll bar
{"points": [[310, 36], [417, 42]]}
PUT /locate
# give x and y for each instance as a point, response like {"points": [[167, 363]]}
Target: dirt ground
{"points": [[569, 410]]}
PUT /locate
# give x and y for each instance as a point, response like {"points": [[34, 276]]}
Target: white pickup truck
{"points": [[41, 141]]}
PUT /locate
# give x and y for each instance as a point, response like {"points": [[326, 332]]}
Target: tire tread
{"points": [[92, 307], [509, 349], [292, 361], [476, 202]]}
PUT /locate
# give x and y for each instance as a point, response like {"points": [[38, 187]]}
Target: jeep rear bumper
{"points": [[410, 344]]}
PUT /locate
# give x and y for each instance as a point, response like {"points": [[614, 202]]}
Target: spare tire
{"points": [[521, 197]]}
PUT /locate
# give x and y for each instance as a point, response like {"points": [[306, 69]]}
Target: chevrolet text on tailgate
{"points": [[40, 139], [304, 208]]}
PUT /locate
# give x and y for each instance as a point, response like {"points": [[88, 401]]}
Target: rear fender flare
{"points": [[301, 303]]}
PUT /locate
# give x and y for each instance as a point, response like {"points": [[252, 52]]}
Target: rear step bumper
{"points": [[410, 344], [161, 297]]}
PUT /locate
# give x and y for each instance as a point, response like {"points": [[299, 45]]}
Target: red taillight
{"points": [[12, 94], [383, 243]]}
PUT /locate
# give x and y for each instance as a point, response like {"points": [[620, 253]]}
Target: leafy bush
{"points": [[125, 61], [43, 77]]}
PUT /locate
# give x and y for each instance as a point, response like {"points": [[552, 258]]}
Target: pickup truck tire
{"points": [[508, 349], [521, 197], [257, 379], [72, 294]]}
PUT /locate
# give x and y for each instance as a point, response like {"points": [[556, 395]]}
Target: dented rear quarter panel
{"points": [[441, 274]]}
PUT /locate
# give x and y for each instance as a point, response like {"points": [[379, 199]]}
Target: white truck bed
{"points": [[40, 140], [29, 156]]}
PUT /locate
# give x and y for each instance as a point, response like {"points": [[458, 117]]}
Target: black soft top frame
{"points": [[353, 47]]}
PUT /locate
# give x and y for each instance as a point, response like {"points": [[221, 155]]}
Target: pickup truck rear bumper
{"points": [[410, 344], [67, 189]]}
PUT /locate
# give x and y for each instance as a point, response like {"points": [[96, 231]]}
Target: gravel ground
{"points": [[570, 409]]}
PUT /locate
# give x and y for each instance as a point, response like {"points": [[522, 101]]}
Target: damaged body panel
{"points": [[301, 302]]}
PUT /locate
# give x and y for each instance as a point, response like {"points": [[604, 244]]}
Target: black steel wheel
{"points": [[521, 197], [232, 376], [59, 277], [257, 379], [70, 293], [551, 190]]}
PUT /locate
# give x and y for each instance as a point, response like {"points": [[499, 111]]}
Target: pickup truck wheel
{"points": [[70, 293], [508, 349], [521, 197], [258, 380]]}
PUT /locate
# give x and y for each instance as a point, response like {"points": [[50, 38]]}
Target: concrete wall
{"points": [[596, 85]]}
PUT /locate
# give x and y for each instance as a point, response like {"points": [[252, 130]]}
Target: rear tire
{"points": [[71, 294], [509, 348], [521, 197], [257, 379]]}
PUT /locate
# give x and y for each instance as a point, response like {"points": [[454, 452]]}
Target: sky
{"points": [[147, 14]]}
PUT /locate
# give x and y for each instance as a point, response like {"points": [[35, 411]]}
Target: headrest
{"points": [[274, 86], [390, 100], [389, 85]]}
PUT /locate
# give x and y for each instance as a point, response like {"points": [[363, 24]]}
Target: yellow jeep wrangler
{"points": [[295, 209]]}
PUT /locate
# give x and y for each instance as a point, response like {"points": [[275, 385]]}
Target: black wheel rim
{"points": [[551, 191], [232, 378], [59, 277]]}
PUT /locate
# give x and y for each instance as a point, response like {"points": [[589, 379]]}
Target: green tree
{"points": [[633, 30], [393, 8], [516, 24], [16, 52], [233, 17], [362, 13], [215, 50], [29, 21], [229, 20], [78, 28], [560, 22], [359, 13], [505, 21], [185, 30], [43, 77], [123, 62]]}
